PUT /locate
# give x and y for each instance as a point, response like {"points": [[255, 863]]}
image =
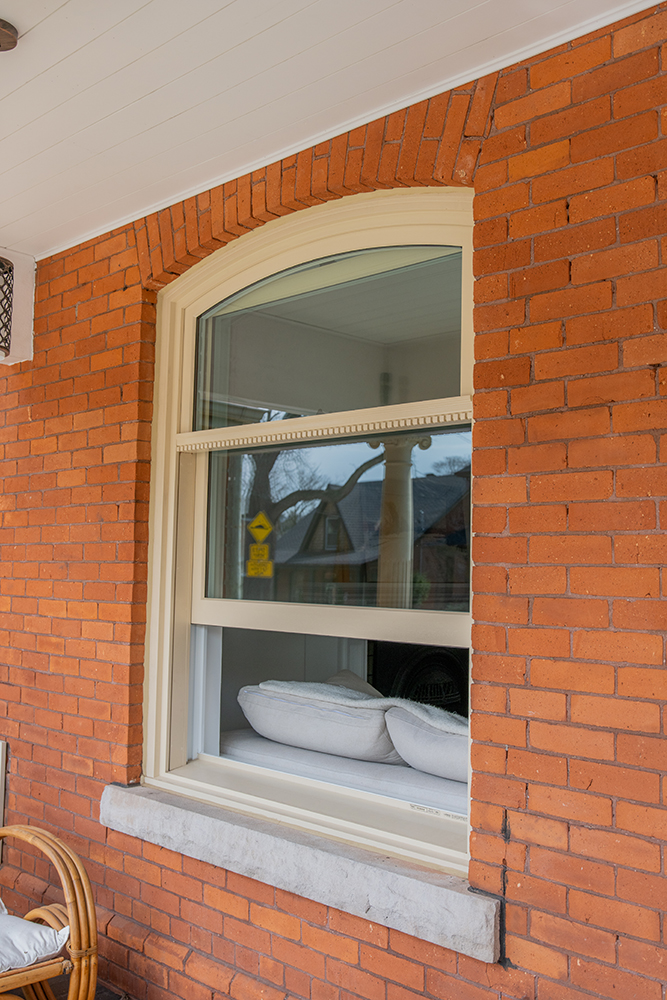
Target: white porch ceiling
{"points": [[109, 110]]}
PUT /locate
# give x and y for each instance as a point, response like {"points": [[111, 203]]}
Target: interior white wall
{"points": [[224, 660]]}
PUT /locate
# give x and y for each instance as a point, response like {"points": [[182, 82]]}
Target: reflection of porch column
{"points": [[396, 545]]}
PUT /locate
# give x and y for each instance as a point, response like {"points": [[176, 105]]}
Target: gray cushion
{"points": [[430, 740], [327, 718]]}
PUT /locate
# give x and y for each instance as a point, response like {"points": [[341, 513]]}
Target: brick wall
{"points": [[568, 156]]}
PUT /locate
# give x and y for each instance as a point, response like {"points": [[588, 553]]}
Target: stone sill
{"points": [[425, 903]]}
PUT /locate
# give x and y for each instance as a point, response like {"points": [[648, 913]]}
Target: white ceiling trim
{"points": [[114, 210]]}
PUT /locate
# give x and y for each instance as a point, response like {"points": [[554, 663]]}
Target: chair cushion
{"points": [[430, 739], [325, 717], [23, 942]]}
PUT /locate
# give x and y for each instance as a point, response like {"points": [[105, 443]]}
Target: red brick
{"points": [[538, 830], [616, 714], [539, 161], [640, 614], [574, 613], [525, 108], [645, 351], [574, 740], [440, 986], [575, 240], [642, 224], [617, 198], [618, 781], [540, 337], [612, 845], [537, 580], [572, 301], [624, 515], [639, 287], [532, 458], [573, 937], [633, 449], [530, 955], [392, 967], [570, 549], [539, 279], [533, 398], [612, 982], [641, 34], [538, 642], [619, 647], [619, 73], [616, 136], [571, 121], [610, 326], [612, 913], [536, 892], [570, 676], [572, 180], [615, 581], [541, 219], [356, 980], [492, 608], [571, 486]]}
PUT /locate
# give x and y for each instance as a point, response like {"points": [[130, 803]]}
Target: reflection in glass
{"points": [[377, 522], [363, 329]]}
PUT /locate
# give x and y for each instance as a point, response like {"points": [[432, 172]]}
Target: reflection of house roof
{"points": [[433, 497]]}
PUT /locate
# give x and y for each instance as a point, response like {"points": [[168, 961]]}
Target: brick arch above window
{"points": [[433, 143]]}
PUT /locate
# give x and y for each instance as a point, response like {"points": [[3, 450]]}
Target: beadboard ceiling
{"points": [[111, 109]]}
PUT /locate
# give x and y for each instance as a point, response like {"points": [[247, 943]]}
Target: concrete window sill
{"points": [[425, 903]]}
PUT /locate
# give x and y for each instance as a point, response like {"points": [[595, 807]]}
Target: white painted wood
{"points": [[111, 110]]}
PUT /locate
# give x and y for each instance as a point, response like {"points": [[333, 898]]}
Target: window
{"points": [[310, 505]]}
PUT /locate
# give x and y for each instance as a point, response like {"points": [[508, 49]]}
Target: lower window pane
{"points": [[381, 522], [346, 711]]}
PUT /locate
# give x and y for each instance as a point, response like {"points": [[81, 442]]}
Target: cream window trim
{"points": [[393, 218], [404, 416]]}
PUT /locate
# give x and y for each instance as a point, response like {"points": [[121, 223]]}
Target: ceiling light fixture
{"points": [[9, 36]]}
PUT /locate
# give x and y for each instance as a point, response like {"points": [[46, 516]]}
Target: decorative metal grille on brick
{"points": [[6, 295]]}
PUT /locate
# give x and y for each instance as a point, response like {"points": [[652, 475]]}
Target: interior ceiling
{"points": [[111, 110], [412, 303]]}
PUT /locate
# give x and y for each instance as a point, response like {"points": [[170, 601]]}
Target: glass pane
{"points": [[381, 522], [363, 329]]}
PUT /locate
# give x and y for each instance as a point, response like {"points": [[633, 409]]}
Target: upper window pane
{"points": [[362, 329]]}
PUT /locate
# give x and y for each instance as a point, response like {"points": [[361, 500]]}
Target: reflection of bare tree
{"points": [[332, 494], [260, 491], [293, 474], [450, 465]]}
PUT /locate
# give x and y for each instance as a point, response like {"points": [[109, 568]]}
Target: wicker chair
{"points": [[78, 911]]}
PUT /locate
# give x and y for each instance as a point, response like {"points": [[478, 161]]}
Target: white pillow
{"points": [[23, 942], [430, 739], [324, 717]]}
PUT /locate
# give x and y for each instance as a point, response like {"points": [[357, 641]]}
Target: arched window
{"points": [[310, 524]]}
